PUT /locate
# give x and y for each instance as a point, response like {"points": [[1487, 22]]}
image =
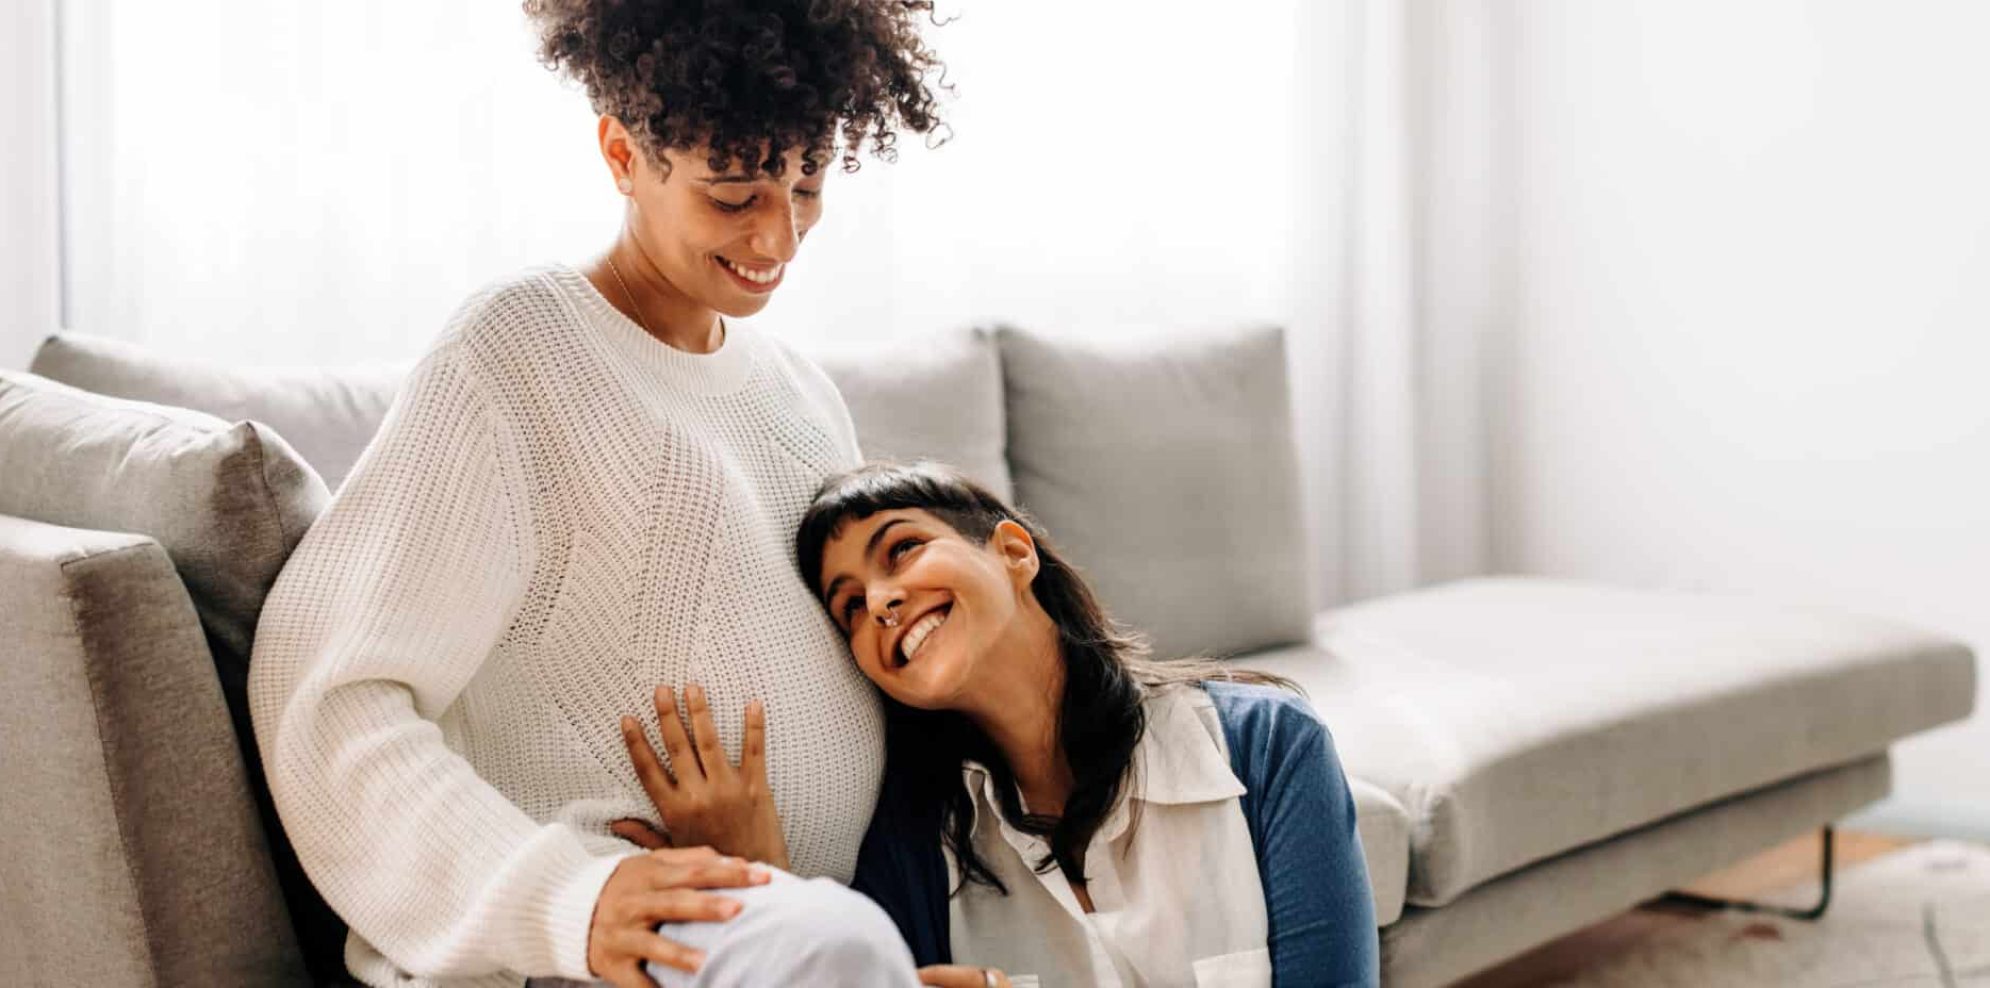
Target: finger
{"points": [[711, 755], [953, 976], [725, 873], [639, 833], [686, 855], [670, 953], [685, 906], [656, 780], [676, 744], [628, 974], [753, 750]]}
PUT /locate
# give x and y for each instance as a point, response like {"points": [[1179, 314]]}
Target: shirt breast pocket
{"points": [[1243, 969]]}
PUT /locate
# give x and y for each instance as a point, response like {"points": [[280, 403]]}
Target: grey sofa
{"points": [[1528, 755]]}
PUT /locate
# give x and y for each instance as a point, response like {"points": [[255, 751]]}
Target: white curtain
{"points": [[1406, 317], [29, 183], [307, 182]]}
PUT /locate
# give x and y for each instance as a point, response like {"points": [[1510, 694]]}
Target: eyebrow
{"points": [[735, 179], [871, 546]]}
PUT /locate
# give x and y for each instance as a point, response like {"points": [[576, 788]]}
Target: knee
{"points": [[812, 932], [834, 932]]}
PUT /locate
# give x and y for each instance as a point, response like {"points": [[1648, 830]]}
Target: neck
{"points": [[652, 302], [1019, 713]]}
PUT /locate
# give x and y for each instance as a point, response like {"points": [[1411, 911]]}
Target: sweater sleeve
{"points": [[387, 609], [1302, 819]]}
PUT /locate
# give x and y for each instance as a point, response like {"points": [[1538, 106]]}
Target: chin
{"points": [[919, 695], [740, 308], [937, 687]]}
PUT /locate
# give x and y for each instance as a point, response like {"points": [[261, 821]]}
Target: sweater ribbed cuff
{"points": [[570, 915]]}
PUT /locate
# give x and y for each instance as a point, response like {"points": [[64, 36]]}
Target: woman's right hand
{"points": [[702, 797], [656, 887]]}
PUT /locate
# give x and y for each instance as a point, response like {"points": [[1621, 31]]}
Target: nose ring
{"points": [[890, 616]]}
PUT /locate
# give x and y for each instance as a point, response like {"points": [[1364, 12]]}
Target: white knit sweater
{"points": [[559, 513]]}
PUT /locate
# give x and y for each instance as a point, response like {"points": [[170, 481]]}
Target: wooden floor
{"points": [[1780, 866]]}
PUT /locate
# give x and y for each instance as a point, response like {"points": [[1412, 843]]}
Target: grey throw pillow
{"points": [[1167, 472], [937, 397], [327, 416], [228, 502]]}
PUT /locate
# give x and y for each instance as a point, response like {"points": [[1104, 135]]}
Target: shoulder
{"points": [[498, 333], [513, 311], [1255, 712]]}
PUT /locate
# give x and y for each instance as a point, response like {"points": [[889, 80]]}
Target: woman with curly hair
{"points": [[585, 489]]}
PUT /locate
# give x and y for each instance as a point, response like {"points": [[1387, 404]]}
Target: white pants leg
{"points": [[792, 931]]}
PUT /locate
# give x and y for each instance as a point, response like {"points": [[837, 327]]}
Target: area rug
{"points": [[1919, 916]]}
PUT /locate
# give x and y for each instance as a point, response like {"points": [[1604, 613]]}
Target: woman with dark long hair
{"points": [[1058, 804]]}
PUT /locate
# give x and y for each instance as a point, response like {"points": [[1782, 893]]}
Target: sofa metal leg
{"points": [[1814, 912]]}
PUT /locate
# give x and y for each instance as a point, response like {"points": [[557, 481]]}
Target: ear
{"points": [[616, 148], [1017, 548]]}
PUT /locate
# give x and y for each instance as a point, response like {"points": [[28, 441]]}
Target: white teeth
{"points": [[757, 277], [916, 635]]}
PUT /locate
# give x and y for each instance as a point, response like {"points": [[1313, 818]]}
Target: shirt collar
{"points": [[1179, 760]]}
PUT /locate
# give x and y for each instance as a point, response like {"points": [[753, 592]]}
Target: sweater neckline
{"points": [[720, 372]]}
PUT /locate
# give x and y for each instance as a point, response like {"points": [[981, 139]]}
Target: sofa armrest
{"points": [[130, 849]]}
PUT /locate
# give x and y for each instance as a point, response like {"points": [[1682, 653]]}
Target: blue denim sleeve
{"points": [[1302, 819]]}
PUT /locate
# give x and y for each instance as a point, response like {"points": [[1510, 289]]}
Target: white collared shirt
{"points": [[1178, 898]]}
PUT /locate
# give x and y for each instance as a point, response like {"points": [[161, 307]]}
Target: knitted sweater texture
{"points": [[559, 514]]}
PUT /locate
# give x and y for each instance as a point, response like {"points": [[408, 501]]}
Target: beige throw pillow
{"points": [[1167, 470]]}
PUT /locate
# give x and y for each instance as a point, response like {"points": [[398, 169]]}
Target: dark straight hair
{"points": [[1108, 674]]}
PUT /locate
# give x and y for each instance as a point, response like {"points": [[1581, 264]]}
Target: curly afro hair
{"points": [[752, 79]]}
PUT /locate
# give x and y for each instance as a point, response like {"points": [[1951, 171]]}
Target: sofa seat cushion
{"points": [[1515, 719]]}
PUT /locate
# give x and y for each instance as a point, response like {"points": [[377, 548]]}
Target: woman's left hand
{"points": [[961, 976], [709, 800]]}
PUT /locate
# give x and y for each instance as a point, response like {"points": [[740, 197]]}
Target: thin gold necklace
{"points": [[638, 309], [633, 306]]}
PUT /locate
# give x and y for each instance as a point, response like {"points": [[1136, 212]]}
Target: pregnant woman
{"points": [[588, 487], [1057, 805]]}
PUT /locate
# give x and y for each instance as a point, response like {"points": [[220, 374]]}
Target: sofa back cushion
{"points": [[1167, 472], [933, 397], [328, 416], [228, 503], [938, 397]]}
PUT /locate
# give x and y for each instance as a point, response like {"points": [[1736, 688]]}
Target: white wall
{"points": [[29, 287], [1750, 329]]}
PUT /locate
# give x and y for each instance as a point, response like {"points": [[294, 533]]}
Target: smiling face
{"points": [[958, 603], [720, 240]]}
